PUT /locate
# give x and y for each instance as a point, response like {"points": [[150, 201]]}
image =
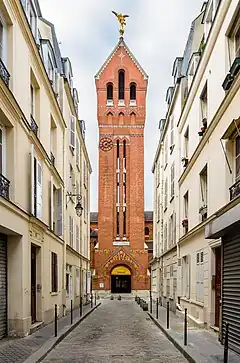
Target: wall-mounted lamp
{"points": [[78, 208]]}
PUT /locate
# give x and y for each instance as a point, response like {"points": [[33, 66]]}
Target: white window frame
{"points": [[71, 231], [172, 193], [185, 205], [200, 275], [72, 130], [204, 103], [3, 130], [166, 151], [3, 43], [166, 194], [39, 181], [77, 281], [237, 157], [186, 142], [78, 153], [77, 238], [50, 67], [186, 275], [171, 131], [203, 176]]}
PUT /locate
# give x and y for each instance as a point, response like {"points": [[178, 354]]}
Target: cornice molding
{"points": [[122, 126]]}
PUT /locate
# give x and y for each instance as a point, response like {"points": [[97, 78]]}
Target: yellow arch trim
{"points": [[121, 270]]}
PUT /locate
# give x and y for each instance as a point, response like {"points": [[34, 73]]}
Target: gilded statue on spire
{"points": [[122, 21]]}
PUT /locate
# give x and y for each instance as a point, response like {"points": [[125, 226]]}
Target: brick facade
{"points": [[121, 160]]}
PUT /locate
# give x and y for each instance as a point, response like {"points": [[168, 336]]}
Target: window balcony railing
{"points": [[4, 187], [52, 157], [4, 73], [235, 190], [34, 126], [233, 72]]}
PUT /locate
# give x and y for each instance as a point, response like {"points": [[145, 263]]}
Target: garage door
{"points": [[3, 287], [231, 290]]}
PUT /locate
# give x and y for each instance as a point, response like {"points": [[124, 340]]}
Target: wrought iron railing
{"points": [[235, 190], [4, 73], [52, 157], [34, 126], [4, 186]]}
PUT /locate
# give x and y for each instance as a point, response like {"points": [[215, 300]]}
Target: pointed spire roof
{"points": [[120, 44]]}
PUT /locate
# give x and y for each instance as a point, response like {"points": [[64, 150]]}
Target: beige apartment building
{"points": [[44, 175], [208, 247]]}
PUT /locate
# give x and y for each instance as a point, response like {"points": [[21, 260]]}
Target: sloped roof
{"points": [[121, 43], [148, 216], [93, 217]]}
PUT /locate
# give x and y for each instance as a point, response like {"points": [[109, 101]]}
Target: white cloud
{"points": [[156, 33]]}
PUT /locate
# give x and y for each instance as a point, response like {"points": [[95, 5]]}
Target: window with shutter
{"points": [[77, 238], [200, 276], [166, 194], [179, 277], [51, 204], [237, 160], [72, 131], [158, 210], [77, 281], [165, 236], [54, 272], [158, 174], [77, 153], [39, 190], [59, 212], [71, 231], [172, 180], [172, 132], [166, 150]]}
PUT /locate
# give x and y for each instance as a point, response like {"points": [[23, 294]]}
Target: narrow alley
{"points": [[118, 331]]}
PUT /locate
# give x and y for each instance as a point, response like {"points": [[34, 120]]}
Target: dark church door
{"points": [[121, 284]]}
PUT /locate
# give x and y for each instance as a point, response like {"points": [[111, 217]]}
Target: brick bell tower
{"points": [[121, 256]]}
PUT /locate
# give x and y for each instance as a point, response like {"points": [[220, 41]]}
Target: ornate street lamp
{"points": [[78, 208]]}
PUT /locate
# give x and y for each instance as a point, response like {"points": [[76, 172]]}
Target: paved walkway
{"points": [[118, 331], [203, 345], [18, 350]]}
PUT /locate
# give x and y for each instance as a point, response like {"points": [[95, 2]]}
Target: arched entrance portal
{"points": [[121, 280]]}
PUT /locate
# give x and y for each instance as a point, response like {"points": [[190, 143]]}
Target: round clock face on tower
{"points": [[105, 144]]}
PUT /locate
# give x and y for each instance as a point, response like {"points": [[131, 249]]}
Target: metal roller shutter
{"points": [[3, 288], [231, 290]]}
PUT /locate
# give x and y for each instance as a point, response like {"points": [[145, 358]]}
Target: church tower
{"points": [[121, 256]]}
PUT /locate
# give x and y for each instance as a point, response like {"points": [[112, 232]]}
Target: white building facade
{"points": [[208, 255]]}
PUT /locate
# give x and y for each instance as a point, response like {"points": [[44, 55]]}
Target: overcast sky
{"points": [[156, 33]]}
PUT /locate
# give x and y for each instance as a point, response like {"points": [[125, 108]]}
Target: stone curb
{"points": [[170, 337], [42, 352]]}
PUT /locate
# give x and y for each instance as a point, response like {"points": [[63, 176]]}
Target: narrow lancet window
{"points": [[121, 85], [109, 91], [132, 91]]}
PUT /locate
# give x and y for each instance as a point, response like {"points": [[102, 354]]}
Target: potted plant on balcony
{"points": [[185, 223], [203, 209], [227, 82], [185, 161], [201, 132], [204, 122]]}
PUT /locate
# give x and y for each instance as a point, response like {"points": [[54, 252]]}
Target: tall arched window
{"points": [[146, 231], [109, 91], [121, 84], [132, 91]]}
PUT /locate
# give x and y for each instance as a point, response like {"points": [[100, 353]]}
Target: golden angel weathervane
{"points": [[122, 21]]}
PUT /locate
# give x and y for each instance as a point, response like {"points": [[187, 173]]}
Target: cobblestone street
{"points": [[118, 331]]}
